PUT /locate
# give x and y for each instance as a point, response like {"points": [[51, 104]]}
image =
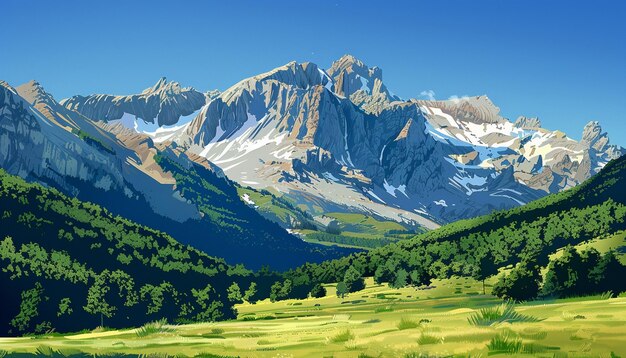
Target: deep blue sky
{"points": [[564, 61]]}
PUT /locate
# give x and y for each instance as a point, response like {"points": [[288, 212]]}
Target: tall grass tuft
{"points": [[46, 351], [504, 312], [606, 295], [427, 338], [508, 343], [153, 328], [342, 337], [383, 309], [505, 343], [406, 323]]}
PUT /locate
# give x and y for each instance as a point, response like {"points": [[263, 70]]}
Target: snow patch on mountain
{"points": [[246, 198], [159, 134]]}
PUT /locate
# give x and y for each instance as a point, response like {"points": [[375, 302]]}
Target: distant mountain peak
{"points": [[163, 104], [349, 60], [475, 109], [33, 92], [301, 75], [349, 57], [33, 83], [167, 87], [527, 122], [349, 64], [161, 83], [592, 129], [594, 136], [362, 84]]}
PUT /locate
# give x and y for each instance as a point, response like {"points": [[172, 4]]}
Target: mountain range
{"points": [[338, 138], [320, 141]]}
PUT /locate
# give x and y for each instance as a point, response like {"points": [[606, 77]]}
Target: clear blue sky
{"points": [[564, 61]]}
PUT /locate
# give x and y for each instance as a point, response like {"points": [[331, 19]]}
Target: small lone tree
{"points": [[342, 289], [484, 269], [401, 279], [353, 280]]}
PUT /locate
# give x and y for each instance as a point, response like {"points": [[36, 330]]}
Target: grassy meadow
{"points": [[449, 318]]}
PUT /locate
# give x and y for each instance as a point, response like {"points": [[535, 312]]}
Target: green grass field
{"points": [[365, 224], [357, 230], [616, 242], [375, 322]]}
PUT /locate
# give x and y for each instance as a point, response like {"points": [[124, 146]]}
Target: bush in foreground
{"points": [[502, 313]]}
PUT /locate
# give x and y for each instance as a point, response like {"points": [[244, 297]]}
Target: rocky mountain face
{"points": [[364, 86], [162, 104], [105, 166], [33, 147], [337, 139], [116, 166]]}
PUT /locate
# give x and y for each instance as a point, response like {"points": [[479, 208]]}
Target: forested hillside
{"points": [[70, 265], [479, 247], [230, 228]]}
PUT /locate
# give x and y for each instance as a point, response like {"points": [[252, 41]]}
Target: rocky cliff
{"points": [[339, 136], [162, 104]]}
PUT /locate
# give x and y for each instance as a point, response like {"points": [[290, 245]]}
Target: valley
{"points": [[304, 211]]}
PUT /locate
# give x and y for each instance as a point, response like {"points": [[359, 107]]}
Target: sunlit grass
{"points": [[504, 312], [153, 328], [429, 338], [342, 337], [407, 323]]}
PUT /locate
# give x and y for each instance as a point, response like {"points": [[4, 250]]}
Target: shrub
{"points": [[406, 323], [383, 309], [505, 343], [520, 285], [318, 291], [342, 337], [504, 312], [427, 338], [153, 328]]}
